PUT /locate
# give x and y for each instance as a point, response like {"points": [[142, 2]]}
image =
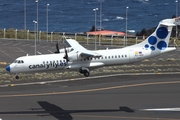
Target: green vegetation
{"points": [[169, 65], [106, 40]]}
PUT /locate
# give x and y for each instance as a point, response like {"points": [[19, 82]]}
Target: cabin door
{"points": [[131, 56]]}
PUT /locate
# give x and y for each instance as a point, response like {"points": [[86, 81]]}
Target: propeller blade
{"points": [[57, 48], [66, 55]]}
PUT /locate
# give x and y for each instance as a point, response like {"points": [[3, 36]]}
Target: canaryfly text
{"points": [[48, 65]]}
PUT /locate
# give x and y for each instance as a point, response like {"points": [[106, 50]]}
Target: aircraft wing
{"points": [[79, 48]]}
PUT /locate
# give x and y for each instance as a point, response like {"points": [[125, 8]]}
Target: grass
{"points": [[145, 67]]}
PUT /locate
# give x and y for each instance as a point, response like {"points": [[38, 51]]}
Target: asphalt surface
{"points": [[94, 98], [121, 97]]}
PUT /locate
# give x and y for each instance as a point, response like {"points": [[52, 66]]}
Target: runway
{"points": [[119, 97]]}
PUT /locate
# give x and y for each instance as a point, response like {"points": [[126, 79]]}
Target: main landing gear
{"points": [[85, 71]]}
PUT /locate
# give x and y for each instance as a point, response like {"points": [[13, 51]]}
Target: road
{"points": [[97, 98]]}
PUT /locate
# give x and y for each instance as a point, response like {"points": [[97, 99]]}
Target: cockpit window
{"points": [[15, 61], [18, 61]]}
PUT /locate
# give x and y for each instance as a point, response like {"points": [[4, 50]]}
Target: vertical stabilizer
{"points": [[159, 39]]}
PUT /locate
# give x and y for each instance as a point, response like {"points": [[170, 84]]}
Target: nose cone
{"points": [[8, 68]]}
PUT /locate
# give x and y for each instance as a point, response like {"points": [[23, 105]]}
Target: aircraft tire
{"points": [[17, 77], [86, 73]]}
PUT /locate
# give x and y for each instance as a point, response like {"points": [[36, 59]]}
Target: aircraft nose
{"points": [[8, 68]]}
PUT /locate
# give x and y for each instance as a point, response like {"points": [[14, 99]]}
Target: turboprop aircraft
{"points": [[76, 57]]}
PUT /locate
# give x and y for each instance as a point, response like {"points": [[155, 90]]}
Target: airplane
{"points": [[76, 57]]}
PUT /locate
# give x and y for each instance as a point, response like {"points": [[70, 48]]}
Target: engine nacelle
{"points": [[74, 56], [69, 49]]}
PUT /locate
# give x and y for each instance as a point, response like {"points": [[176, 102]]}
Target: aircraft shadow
{"points": [[61, 114]]}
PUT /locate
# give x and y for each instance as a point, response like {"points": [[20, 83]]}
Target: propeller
{"points": [[57, 48], [66, 55]]}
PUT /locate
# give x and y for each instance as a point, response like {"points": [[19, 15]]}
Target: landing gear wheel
{"points": [[86, 73], [17, 77]]}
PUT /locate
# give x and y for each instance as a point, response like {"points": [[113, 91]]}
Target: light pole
{"points": [[37, 19], [176, 16], [47, 22], [100, 22], [24, 14], [126, 25], [35, 22], [95, 25]]}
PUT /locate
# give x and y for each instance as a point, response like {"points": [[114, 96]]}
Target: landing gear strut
{"points": [[85, 71], [17, 77]]}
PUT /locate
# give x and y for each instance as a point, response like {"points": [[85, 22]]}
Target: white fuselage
{"points": [[57, 62]]}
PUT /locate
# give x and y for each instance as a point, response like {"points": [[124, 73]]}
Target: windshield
{"points": [[18, 61]]}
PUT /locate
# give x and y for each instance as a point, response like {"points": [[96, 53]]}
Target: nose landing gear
{"points": [[17, 77]]}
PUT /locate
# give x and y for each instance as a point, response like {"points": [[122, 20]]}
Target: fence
{"points": [[82, 37]]}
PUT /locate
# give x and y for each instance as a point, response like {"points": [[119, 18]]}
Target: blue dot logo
{"points": [[162, 45], [152, 48], [152, 40], [162, 32], [146, 46]]}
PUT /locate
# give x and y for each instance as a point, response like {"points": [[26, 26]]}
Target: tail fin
{"points": [[159, 40]]}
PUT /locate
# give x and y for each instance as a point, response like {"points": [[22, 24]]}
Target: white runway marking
{"points": [[26, 45], [7, 54], [163, 109], [50, 51], [17, 44]]}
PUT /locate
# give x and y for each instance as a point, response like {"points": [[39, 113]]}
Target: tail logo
{"points": [[158, 41]]}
